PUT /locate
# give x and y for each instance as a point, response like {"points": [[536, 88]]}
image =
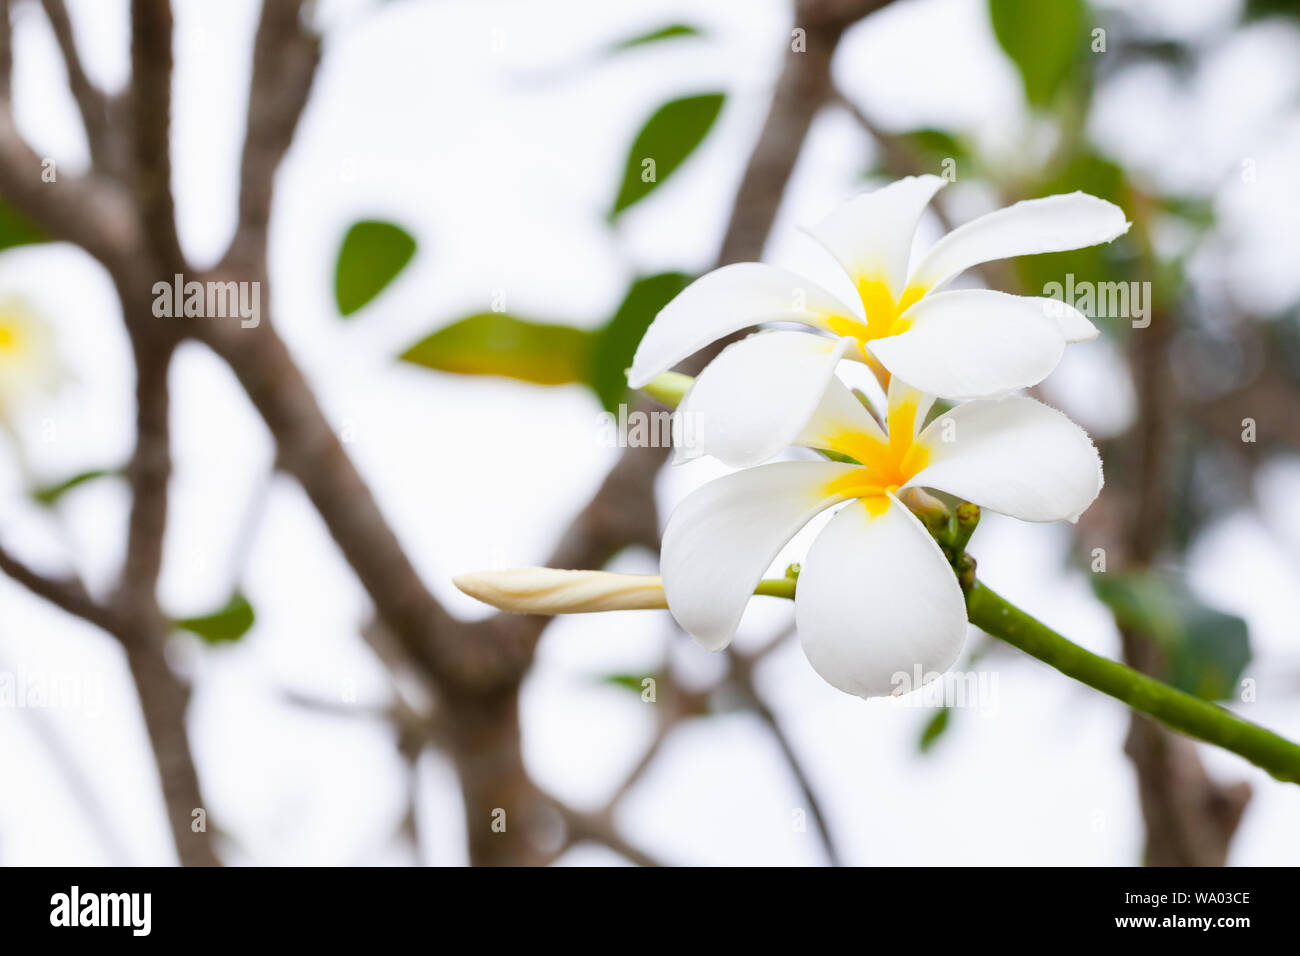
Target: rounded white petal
{"points": [[871, 234], [752, 401], [725, 301], [1075, 326], [555, 591], [723, 536], [878, 608], [1051, 224], [1016, 456], [974, 342]]}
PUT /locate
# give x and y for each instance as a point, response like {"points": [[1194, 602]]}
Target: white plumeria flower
{"points": [[970, 343], [876, 596], [28, 362]]}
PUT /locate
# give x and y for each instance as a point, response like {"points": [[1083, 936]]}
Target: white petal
{"points": [[877, 602], [972, 343], [1050, 224], [1075, 326], [838, 414], [723, 536], [1016, 456], [725, 301], [753, 400], [871, 234]]}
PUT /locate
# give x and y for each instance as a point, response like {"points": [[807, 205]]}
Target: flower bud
{"points": [[550, 591]]}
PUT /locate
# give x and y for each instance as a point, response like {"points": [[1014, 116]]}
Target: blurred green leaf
{"points": [[934, 729], [494, 343], [16, 229], [1195, 211], [630, 682], [670, 32], [50, 494], [371, 256], [937, 144], [224, 626], [1258, 9], [1206, 649], [668, 137], [1044, 38], [616, 343]]}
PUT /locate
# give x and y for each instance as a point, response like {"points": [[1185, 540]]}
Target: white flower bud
{"points": [[549, 591]]}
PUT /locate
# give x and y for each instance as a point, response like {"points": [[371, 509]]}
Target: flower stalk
{"points": [[1181, 711]]}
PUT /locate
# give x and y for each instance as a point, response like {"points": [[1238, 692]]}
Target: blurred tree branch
{"points": [[66, 594], [126, 219], [92, 102]]}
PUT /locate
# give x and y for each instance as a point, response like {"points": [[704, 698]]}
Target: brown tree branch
{"points": [[148, 475], [742, 675], [285, 57], [67, 594], [151, 104], [6, 51], [599, 828], [92, 212], [164, 701], [92, 102]]}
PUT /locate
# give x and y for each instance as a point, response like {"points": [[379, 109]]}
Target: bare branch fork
{"points": [[122, 213]]}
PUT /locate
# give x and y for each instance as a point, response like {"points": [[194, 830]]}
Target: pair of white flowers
{"points": [[876, 596]]}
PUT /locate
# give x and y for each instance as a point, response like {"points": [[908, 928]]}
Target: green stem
{"points": [[1183, 712], [776, 587]]}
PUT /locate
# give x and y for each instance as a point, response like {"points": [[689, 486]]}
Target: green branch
{"points": [[1181, 711]]}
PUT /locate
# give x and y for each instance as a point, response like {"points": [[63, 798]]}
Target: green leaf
{"points": [[371, 256], [934, 729], [50, 494], [226, 625], [668, 137], [1206, 650], [937, 144], [630, 682], [670, 32], [1046, 40], [616, 343], [16, 229], [1260, 9], [494, 343]]}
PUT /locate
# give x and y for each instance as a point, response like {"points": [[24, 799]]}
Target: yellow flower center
{"points": [[884, 315], [11, 339], [886, 465]]}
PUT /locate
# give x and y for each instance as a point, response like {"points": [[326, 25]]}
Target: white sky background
{"points": [[502, 162]]}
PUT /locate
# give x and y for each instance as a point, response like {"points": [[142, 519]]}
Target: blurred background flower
{"points": [[27, 359]]}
